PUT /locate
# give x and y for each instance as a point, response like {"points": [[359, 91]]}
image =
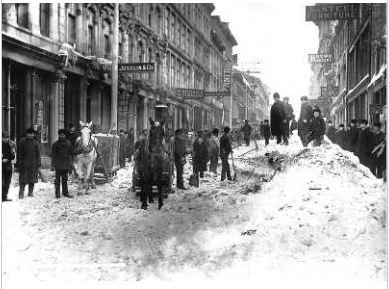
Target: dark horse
{"points": [[151, 165]]}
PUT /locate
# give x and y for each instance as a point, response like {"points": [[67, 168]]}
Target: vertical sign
{"points": [[227, 77]]}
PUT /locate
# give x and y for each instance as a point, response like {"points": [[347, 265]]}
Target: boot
{"points": [[30, 190], [21, 191]]}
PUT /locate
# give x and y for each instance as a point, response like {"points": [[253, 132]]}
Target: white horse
{"points": [[84, 162]]}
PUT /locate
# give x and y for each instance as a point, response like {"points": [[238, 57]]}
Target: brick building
{"points": [[57, 65]]}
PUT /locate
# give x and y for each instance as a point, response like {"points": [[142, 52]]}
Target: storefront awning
{"points": [[377, 76]]}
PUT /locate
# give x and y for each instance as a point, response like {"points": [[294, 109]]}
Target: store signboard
{"points": [[321, 58], [136, 67], [217, 93], [188, 93], [328, 12]]}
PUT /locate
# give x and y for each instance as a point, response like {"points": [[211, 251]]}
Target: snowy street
{"points": [[323, 214]]}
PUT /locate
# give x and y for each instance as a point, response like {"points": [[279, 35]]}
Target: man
{"points": [[261, 129], [306, 114], [122, 149], [246, 129], [214, 148], [179, 157], [352, 136], [8, 154], [278, 119], [61, 161], [341, 137], [225, 151], [365, 145], [289, 115], [379, 151], [331, 131], [130, 143], [266, 131], [29, 161], [72, 135], [317, 127], [200, 155]]}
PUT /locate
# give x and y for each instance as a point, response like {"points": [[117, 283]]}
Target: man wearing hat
{"points": [[62, 163], [317, 127], [289, 115], [29, 161], [8, 154], [306, 114], [278, 119], [179, 156], [352, 136]]}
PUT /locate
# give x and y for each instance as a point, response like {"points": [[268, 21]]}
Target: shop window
{"points": [[22, 15], [44, 19]]}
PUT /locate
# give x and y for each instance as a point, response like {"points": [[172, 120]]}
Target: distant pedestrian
{"points": [[214, 148], [317, 127], [266, 131], [122, 149], [225, 151], [29, 161], [341, 137], [180, 149], [200, 155], [306, 114], [289, 115], [379, 152], [331, 131], [278, 119], [130, 144], [352, 136], [61, 153], [246, 130], [365, 145], [8, 154]]}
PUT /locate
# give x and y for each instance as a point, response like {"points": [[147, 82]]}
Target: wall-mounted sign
{"points": [[321, 58], [329, 91], [189, 93], [328, 12], [227, 77], [217, 93], [136, 67]]}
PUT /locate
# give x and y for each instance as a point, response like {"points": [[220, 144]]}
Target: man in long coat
{"points": [[289, 115], [352, 136], [246, 129], [61, 158], [317, 127], [180, 150], [8, 154], [29, 161], [365, 145], [278, 119], [306, 114], [200, 155]]}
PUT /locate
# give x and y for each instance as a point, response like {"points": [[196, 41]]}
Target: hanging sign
{"points": [[326, 12], [321, 58], [188, 93], [136, 67]]}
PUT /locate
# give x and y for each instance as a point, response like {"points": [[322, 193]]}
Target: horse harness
{"points": [[89, 147]]}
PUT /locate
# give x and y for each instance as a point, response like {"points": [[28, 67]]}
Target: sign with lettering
{"points": [[227, 77], [321, 102], [327, 12], [329, 91], [321, 58], [188, 93], [217, 93], [136, 67]]}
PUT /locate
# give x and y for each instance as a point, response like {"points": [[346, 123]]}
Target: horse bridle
{"points": [[85, 152]]}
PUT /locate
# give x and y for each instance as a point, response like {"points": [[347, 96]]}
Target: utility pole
{"points": [[115, 48]]}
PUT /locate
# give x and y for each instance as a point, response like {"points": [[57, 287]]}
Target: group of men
{"points": [[28, 161], [368, 144]]}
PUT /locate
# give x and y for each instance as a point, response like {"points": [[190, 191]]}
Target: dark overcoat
{"points": [[200, 158], [317, 127], [306, 114], [61, 153], [277, 117], [29, 160]]}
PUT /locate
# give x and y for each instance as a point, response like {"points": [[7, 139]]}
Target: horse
{"points": [[85, 159], [151, 163]]}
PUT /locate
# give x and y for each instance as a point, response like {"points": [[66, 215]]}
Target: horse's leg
{"points": [[78, 170], [87, 177], [92, 176], [159, 183]]}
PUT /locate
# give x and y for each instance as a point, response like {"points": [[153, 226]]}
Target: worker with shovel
{"points": [[225, 151]]}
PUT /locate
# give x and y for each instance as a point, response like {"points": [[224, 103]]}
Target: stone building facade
{"points": [[359, 67], [57, 65]]}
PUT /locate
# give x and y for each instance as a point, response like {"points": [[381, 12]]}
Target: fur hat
{"points": [[61, 131]]}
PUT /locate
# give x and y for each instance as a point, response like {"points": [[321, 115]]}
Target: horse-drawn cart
{"points": [[107, 162]]}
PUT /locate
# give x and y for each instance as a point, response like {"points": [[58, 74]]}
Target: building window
{"points": [[91, 33], [167, 24], [173, 29], [149, 17], [44, 19], [107, 42], [71, 24], [140, 51], [121, 43], [159, 21], [22, 15], [130, 49], [178, 27]]}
